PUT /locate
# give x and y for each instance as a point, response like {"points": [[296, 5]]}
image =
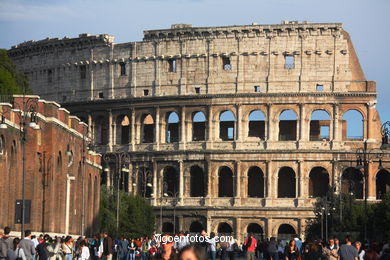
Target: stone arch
{"points": [[382, 183], [318, 182], [167, 227], [224, 228], [225, 182], [197, 181], [198, 126], [286, 183], [196, 227], [101, 130], [286, 231], [173, 127], [147, 128], [319, 125], [288, 125], [254, 228], [171, 178], [353, 125], [122, 129], [256, 124], [352, 182], [227, 122], [255, 182]]}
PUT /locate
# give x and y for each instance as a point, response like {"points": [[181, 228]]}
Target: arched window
{"points": [[255, 182], [225, 182], [123, 130], [224, 228], [352, 182], [197, 182], [319, 125], [352, 125], [147, 129], [255, 229], [198, 127], [319, 182], [167, 227], [101, 131], [59, 164], [288, 126], [196, 227], [286, 232], [226, 126], [382, 183], [173, 127], [256, 123], [286, 183], [171, 178]]}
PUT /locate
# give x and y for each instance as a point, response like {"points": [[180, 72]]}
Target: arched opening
{"points": [[147, 129], [352, 182], [145, 179], [286, 183], [319, 125], [255, 182], [352, 125], [196, 227], [171, 179], [197, 182], [173, 127], [224, 228], [225, 182], [288, 126], [286, 232], [198, 126], [226, 126], [255, 229], [122, 130], [318, 182], [382, 183], [256, 127], [167, 227], [101, 131]]}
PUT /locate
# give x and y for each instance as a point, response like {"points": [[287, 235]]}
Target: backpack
{"points": [[18, 257]]}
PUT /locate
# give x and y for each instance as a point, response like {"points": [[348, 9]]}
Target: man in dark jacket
{"points": [[42, 251], [107, 246], [5, 243]]}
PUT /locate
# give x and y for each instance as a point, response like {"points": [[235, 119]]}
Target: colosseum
{"points": [[233, 129]]}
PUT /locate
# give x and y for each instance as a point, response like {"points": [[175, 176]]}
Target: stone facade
{"points": [[166, 101], [58, 179]]}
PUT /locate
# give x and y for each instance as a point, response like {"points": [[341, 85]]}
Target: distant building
{"points": [[246, 125], [58, 179]]}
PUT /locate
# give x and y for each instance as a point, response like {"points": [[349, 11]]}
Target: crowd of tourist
{"points": [[102, 246]]}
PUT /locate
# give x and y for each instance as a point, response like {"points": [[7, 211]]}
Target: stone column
{"points": [[155, 183], [209, 127], [91, 134], [336, 123], [181, 181], [157, 63], [298, 180], [273, 127], [110, 130], [133, 71], [67, 213], [157, 138], [372, 170], [238, 232], [237, 180], [367, 133], [268, 227], [301, 228], [132, 129], [183, 129], [238, 133], [267, 180]]}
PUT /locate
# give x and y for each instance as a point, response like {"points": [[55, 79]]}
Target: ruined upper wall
{"points": [[186, 60]]}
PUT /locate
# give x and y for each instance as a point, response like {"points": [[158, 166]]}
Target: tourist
{"points": [[250, 244], [212, 248], [5, 243], [67, 248], [360, 250], [347, 251], [16, 252], [27, 245], [272, 249], [84, 251], [107, 247], [371, 255], [167, 252], [331, 250], [145, 249], [313, 252], [132, 249], [123, 248], [291, 251], [41, 248], [192, 252]]}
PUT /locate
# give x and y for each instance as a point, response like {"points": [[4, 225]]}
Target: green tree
{"points": [[136, 216], [11, 80]]}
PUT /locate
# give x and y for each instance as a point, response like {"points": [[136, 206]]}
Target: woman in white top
{"points": [[361, 252], [17, 251], [84, 251]]}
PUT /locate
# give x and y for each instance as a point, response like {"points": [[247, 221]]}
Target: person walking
{"points": [[291, 251], [6, 243], [27, 245], [347, 251], [331, 251], [212, 246], [360, 250], [67, 248], [123, 248], [107, 247], [84, 251], [272, 249], [132, 249], [250, 244]]}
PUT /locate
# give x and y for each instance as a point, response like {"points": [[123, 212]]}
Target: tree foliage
{"points": [[11, 80], [136, 216]]}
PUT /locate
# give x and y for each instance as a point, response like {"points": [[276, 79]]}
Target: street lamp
{"points": [[28, 118], [175, 196], [120, 160], [146, 175]]}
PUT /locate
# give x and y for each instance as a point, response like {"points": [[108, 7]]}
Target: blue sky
{"points": [[367, 21]]}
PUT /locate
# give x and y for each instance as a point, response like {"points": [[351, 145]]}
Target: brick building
{"points": [[58, 179], [241, 126]]}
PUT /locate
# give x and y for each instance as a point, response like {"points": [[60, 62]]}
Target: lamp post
{"points": [[146, 176], [175, 196], [28, 118], [120, 160]]}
